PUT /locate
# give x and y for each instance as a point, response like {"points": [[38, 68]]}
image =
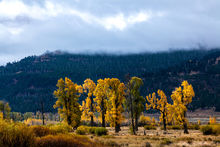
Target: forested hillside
{"points": [[26, 83]]}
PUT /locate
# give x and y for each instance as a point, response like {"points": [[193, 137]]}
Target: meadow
{"points": [[31, 133]]}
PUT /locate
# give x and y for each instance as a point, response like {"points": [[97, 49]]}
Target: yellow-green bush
{"points": [[64, 140], [92, 130], [173, 127], [60, 128], [145, 120], [194, 126], [99, 131], [149, 127], [211, 129], [82, 130], [40, 131], [16, 135]]}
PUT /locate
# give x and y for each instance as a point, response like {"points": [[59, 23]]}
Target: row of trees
{"points": [[110, 98]]}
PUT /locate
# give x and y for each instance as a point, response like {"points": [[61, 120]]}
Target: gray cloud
{"points": [[113, 26]]}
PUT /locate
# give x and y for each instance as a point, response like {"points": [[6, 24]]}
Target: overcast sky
{"points": [[31, 27]]}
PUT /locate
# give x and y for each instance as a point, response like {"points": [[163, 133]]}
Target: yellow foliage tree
{"points": [[159, 104], [67, 96], [145, 119], [88, 107], [5, 110], [116, 96], [101, 100], [182, 97], [212, 120]]}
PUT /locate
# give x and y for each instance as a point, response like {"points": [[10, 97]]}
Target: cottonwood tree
{"points": [[116, 96], [67, 96], [5, 109], [182, 97], [88, 106], [134, 101], [101, 99], [160, 104]]}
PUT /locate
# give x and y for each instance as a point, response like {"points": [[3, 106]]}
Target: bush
{"points": [[194, 127], [210, 129], [64, 140], [145, 120], [99, 131], [16, 135], [40, 131], [149, 127], [207, 130], [60, 128], [82, 130], [92, 130], [31, 121]]}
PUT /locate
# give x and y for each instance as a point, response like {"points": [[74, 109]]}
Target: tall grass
{"points": [[22, 135], [64, 140], [16, 135]]}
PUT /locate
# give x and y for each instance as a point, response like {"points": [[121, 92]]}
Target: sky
{"points": [[32, 27]]}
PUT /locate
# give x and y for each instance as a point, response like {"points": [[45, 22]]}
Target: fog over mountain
{"points": [[31, 27]]}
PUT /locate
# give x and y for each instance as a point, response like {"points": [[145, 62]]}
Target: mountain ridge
{"points": [[34, 78]]}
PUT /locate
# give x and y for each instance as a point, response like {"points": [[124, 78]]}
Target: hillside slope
{"points": [[33, 79]]}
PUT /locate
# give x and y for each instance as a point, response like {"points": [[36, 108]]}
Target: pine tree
{"points": [[67, 96]]}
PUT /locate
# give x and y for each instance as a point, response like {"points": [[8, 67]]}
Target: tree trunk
{"points": [[69, 120], [103, 113], [136, 122], [117, 127], [185, 124], [91, 109], [42, 112], [164, 123], [103, 119], [92, 121], [132, 116]]}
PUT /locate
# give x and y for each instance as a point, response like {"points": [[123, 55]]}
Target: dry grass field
{"points": [[157, 138]]}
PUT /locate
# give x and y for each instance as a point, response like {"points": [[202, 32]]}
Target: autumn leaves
{"points": [[110, 98], [174, 112]]}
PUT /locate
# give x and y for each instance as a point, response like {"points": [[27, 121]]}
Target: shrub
{"points": [[82, 130], [64, 140], [149, 127], [216, 129], [194, 127], [40, 131], [207, 130], [60, 128], [211, 129], [99, 131], [16, 135], [145, 120], [31, 121], [92, 130]]}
